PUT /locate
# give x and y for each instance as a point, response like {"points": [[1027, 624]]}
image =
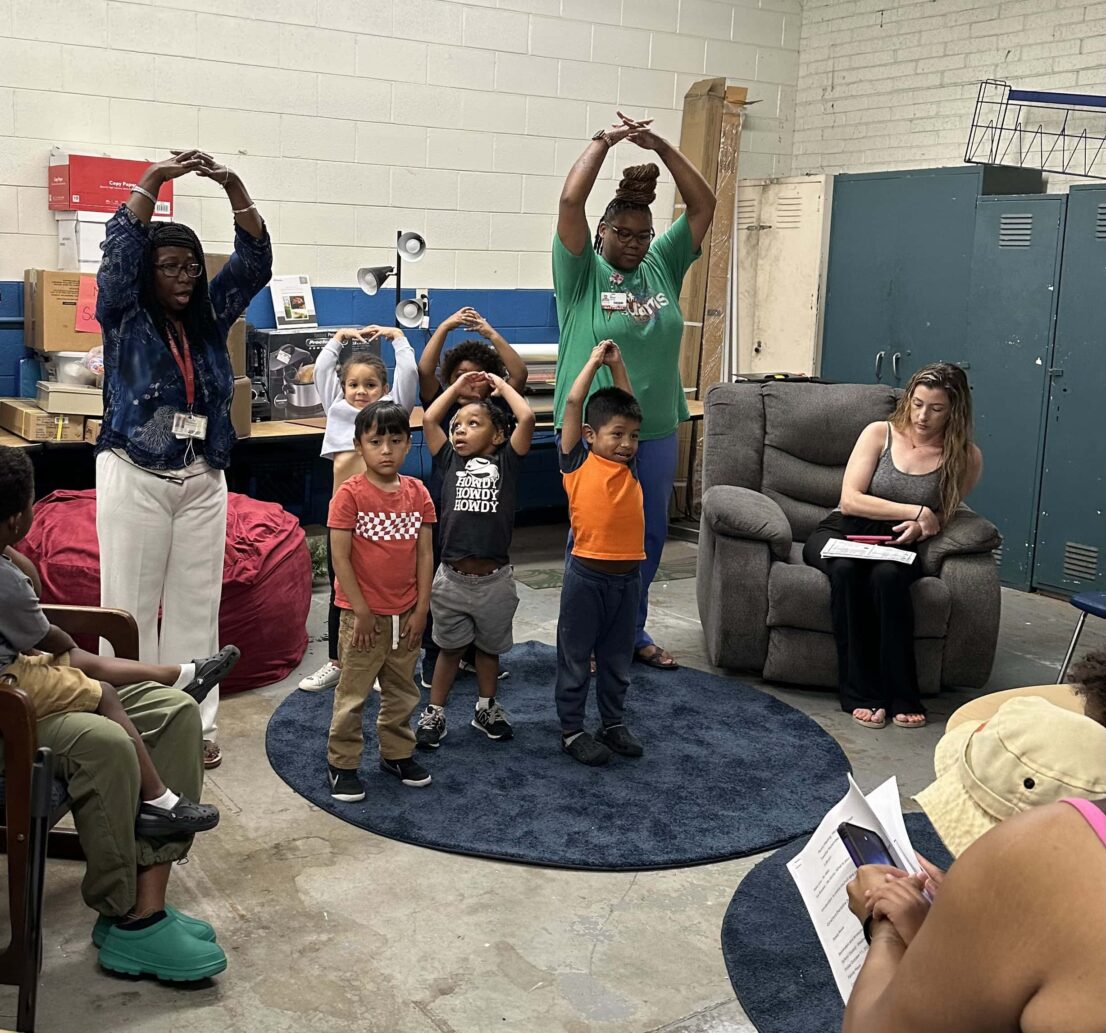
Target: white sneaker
{"points": [[326, 677]]}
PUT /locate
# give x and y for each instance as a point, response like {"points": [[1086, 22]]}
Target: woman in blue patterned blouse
{"points": [[167, 436]]}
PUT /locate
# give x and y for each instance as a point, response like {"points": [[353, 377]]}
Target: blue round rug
{"points": [[775, 962], [728, 770]]}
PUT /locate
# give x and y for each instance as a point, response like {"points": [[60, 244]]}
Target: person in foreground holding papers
{"points": [[1014, 940], [905, 477]]}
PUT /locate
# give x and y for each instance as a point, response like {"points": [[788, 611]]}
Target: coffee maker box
{"points": [[284, 361]]}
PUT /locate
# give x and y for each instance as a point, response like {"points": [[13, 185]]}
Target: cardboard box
{"points": [[92, 430], [241, 407], [97, 183], [21, 416], [213, 263], [69, 399], [80, 235], [236, 346], [50, 312]]}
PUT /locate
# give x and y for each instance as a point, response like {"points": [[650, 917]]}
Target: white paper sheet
{"points": [[840, 547], [823, 868]]}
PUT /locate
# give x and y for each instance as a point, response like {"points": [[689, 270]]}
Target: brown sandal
{"points": [[658, 658], [873, 721]]}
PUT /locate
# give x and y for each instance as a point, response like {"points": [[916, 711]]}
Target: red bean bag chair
{"points": [[266, 578]]}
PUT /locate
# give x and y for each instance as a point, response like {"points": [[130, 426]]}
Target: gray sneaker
{"points": [[492, 721]]}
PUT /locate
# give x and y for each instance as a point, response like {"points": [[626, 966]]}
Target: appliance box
{"points": [[69, 399], [241, 407], [236, 346], [276, 357], [97, 183], [21, 416]]}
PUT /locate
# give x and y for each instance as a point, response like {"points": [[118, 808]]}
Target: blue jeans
{"points": [[656, 470], [598, 613]]}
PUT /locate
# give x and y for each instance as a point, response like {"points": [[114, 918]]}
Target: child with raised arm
{"points": [[474, 599], [602, 582], [345, 387], [380, 533], [471, 356], [59, 678]]}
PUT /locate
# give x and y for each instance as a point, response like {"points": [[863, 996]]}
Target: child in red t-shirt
{"points": [[380, 543]]}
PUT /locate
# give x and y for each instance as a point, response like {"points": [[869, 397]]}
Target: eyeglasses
{"points": [[172, 270], [625, 235]]}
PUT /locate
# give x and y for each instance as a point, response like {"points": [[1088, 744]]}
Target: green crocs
{"points": [[196, 926], [165, 950]]}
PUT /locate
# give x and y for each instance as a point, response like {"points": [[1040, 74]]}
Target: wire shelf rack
{"points": [[1032, 129]]}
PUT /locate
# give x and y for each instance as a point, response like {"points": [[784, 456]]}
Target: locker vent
{"points": [[1100, 223], [1015, 231], [789, 213], [1080, 561], [746, 212]]}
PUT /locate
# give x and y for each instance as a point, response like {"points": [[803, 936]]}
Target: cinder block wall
{"points": [[349, 120], [886, 84]]}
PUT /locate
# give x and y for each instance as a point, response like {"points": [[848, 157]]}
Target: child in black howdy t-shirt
{"points": [[473, 600]]}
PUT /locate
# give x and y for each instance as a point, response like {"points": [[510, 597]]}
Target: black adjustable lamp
{"points": [[410, 247]]}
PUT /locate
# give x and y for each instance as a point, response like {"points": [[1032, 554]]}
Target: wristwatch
{"points": [[602, 135]]}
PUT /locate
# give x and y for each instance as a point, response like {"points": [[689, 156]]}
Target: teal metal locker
{"points": [[1007, 354], [1071, 527], [900, 260]]}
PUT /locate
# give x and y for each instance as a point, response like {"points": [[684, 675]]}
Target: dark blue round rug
{"points": [[775, 962], [728, 771]]}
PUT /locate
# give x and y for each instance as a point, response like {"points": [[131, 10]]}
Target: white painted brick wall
{"points": [[350, 120], [887, 84]]}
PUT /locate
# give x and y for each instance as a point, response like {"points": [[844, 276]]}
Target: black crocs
{"points": [[619, 739], [185, 819], [211, 671], [586, 750]]}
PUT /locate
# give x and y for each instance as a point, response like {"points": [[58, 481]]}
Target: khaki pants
{"points": [[399, 696], [97, 760]]}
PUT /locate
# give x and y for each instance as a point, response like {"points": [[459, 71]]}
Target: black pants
{"points": [[873, 621]]}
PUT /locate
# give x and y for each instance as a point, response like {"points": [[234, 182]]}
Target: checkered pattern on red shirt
{"points": [[387, 527]]}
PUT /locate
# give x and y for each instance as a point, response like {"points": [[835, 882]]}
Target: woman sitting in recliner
{"points": [[904, 479]]}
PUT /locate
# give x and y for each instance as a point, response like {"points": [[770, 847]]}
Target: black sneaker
{"points": [[211, 671], [619, 739], [431, 729], [586, 750], [185, 819], [492, 721], [345, 785], [408, 770]]}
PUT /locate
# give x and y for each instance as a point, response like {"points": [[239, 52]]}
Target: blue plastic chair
{"points": [[1086, 602]]}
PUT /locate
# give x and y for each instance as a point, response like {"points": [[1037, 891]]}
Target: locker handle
{"points": [[879, 364], [1055, 372], [895, 364]]}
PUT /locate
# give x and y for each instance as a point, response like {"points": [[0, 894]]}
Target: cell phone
{"points": [[869, 539], [864, 845]]}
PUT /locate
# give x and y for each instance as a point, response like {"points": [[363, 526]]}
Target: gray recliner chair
{"points": [[774, 455]]}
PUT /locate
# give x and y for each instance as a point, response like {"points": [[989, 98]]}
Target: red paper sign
{"points": [[85, 321]]}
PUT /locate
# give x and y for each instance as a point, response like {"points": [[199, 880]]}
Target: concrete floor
{"points": [[330, 928]]}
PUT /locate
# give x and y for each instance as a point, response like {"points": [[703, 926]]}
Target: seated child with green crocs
{"points": [[474, 598], [61, 678]]}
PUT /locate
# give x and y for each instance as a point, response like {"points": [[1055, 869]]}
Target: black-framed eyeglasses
{"points": [[625, 236], [172, 270]]}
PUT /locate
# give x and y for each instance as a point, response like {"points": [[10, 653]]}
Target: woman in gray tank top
{"points": [[905, 477]]}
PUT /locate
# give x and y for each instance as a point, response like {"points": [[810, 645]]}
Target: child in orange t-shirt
{"points": [[602, 582], [380, 543]]}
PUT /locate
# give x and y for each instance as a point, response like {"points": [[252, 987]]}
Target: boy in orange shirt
{"points": [[380, 542], [602, 582]]}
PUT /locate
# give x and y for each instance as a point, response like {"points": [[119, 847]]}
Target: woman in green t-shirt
{"points": [[625, 285]]}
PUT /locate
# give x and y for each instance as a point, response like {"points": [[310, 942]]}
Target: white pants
{"points": [[161, 546]]}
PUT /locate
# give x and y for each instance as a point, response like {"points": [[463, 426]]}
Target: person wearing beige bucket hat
{"points": [[1030, 753]]}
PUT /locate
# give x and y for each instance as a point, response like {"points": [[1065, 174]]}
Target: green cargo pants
{"points": [[97, 760]]}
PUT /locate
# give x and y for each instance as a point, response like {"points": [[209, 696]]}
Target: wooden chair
{"points": [[34, 801]]}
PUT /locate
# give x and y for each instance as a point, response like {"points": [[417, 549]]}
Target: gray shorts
{"points": [[476, 608]]}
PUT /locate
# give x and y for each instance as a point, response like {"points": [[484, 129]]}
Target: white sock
{"points": [[484, 702], [187, 674], [167, 801]]}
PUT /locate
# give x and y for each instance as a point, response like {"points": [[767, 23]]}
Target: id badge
{"points": [[613, 301], [189, 425]]}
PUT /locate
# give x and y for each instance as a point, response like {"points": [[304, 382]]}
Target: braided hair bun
{"points": [[639, 185]]}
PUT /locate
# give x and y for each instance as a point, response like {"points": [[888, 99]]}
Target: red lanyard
{"points": [[183, 361]]}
